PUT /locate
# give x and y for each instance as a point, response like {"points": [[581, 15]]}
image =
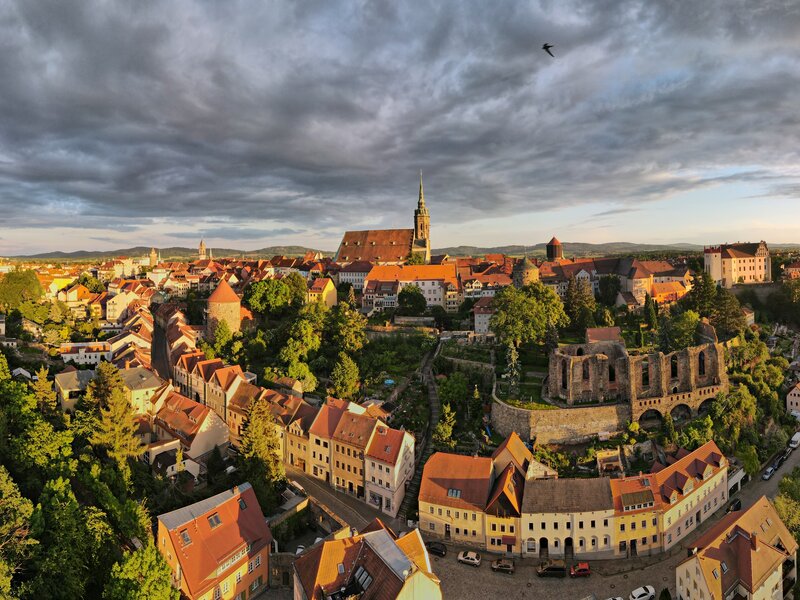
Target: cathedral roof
{"points": [[376, 245]]}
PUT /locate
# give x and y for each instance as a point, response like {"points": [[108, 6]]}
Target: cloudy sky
{"points": [[255, 123]]}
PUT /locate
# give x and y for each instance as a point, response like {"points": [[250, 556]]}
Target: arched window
{"points": [[585, 366], [579, 352], [564, 368], [673, 367], [612, 374], [701, 360], [645, 373]]}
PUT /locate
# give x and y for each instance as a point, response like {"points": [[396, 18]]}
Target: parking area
{"points": [[463, 581]]}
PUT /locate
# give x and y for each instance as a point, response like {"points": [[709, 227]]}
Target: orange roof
{"points": [[517, 449], [320, 284], [752, 544], [225, 376], [506, 498], [456, 480], [354, 429], [241, 522], [385, 444], [223, 294], [375, 245], [325, 423], [182, 416], [446, 273]]}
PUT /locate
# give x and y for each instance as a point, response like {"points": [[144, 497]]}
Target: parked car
{"points": [[734, 505], [778, 462], [470, 558], [437, 548], [768, 473], [643, 593], [503, 565], [552, 568], [786, 453], [580, 569]]}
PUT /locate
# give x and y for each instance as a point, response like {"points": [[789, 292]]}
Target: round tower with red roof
{"points": [[223, 305]]}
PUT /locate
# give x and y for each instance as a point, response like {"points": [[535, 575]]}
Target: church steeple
{"points": [[422, 223], [201, 253], [421, 203]]}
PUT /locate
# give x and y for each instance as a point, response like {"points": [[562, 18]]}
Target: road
{"points": [[158, 349]]}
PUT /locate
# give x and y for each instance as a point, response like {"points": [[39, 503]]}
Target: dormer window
{"points": [[453, 493], [185, 539], [214, 520]]}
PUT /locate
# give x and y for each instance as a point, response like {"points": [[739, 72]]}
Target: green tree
{"points": [[93, 284], [351, 297], [141, 574], [222, 337], [260, 460], [732, 413], [345, 329], [609, 286], [550, 339], [443, 432], [604, 317], [411, 301], [17, 287], [454, 390], [44, 393], [62, 554], [299, 370], [117, 433], [702, 295], [345, 377], [650, 313], [268, 297], [5, 372], [107, 378], [523, 315], [696, 433], [15, 543], [298, 289], [726, 315], [670, 435], [679, 331], [415, 258], [748, 456]]}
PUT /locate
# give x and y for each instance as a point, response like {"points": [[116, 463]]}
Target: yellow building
{"points": [[748, 554], [322, 290], [350, 440], [729, 264]]}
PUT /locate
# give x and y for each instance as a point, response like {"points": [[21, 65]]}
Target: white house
{"points": [[388, 465]]}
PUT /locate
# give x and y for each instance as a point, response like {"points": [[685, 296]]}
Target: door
{"points": [[697, 518], [633, 548], [447, 531]]}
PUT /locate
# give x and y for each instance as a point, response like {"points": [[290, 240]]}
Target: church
{"points": [[390, 246]]}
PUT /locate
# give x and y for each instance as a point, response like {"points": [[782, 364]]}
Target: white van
{"points": [[795, 441]]}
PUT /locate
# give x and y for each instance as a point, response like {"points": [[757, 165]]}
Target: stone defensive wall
{"points": [[559, 425]]}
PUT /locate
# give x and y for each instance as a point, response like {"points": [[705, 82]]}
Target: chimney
{"points": [[754, 541]]}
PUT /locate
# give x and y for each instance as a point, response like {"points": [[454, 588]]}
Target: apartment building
{"points": [[389, 466], [439, 284], [747, 555], [350, 441], [319, 440], [218, 548]]}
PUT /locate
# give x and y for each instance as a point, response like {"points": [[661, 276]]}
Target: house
{"points": [[221, 386], [70, 385], [354, 274], [86, 353], [482, 313], [297, 436], [746, 555], [793, 401], [166, 464], [350, 441], [439, 284], [117, 305], [219, 547], [290, 386], [375, 563], [140, 385], [729, 264], [322, 290], [389, 466], [319, 440], [239, 404], [198, 428]]}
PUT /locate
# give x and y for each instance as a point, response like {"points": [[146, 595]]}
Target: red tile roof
{"points": [[466, 478], [223, 294], [375, 245], [385, 444], [355, 430]]}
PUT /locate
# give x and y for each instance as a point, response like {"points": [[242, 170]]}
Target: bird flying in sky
{"points": [[546, 47]]}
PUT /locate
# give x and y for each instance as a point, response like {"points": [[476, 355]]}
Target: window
{"points": [[592, 524], [225, 587], [432, 527], [543, 526], [214, 520], [655, 521], [724, 566], [431, 510], [440, 512], [644, 524], [454, 493], [185, 537], [655, 539], [250, 567], [530, 526], [580, 524], [555, 525], [474, 516], [242, 504], [363, 578], [494, 526], [605, 522], [217, 593], [238, 576], [258, 560], [622, 527], [502, 528], [633, 526]]}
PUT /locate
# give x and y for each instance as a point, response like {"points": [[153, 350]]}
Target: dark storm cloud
{"points": [[319, 114]]}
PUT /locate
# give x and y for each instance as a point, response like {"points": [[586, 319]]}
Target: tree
{"points": [[609, 286], [268, 297], [670, 435], [415, 258], [351, 297], [141, 574], [702, 295], [748, 456], [650, 313], [679, 331], [298, 289], [550, 339], [523, 315], [15, 543], [696, 433], [443, 432], [44, 393], [454, 390], [215, 467], [222, 337], [107, 378], [5, 372], [117, 433], [345, 377], [604, 317], [260, 460], [411, 301], [93, 284], [345, 329], [301, 371], [579, 303], [18, 286], [726, 315]]}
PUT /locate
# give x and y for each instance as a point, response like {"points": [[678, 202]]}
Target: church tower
{"points": [[422, 219], [153, 257], [202, 251]]}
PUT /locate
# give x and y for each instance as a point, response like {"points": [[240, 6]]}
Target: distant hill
{"points": [[571, 249], [178, 253]]}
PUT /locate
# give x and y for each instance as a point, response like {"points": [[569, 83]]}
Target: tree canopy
{"points": [[260, 460], [345, 377], [524, 315], [411, 301], [141, 574], [17, 287]]}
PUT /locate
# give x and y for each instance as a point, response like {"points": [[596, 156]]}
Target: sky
{"points": [[254, 124]]}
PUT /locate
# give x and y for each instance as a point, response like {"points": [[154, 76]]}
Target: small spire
{"points": [[421, 193]]}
